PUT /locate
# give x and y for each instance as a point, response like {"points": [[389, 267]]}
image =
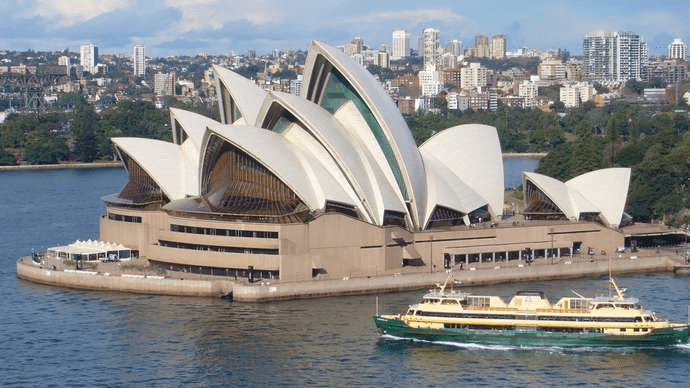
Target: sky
{"points": [[189, 27]]}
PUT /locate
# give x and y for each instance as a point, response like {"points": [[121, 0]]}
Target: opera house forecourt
{"points": [[330, 185]]}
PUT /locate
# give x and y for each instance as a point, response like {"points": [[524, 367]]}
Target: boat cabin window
{"points": [[449, 301], [579, 304], [603, 306], [479, 301], [628, 306]]}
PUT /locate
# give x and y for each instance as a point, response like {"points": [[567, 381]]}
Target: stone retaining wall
{"points": [[269, 291], [141, 284]]}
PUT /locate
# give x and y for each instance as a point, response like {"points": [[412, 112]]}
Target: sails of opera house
{"points": [[331, 184]]}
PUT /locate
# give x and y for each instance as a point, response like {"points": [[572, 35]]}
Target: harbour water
{"points": [[60, 337]]}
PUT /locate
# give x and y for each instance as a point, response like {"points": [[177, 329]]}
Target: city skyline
{"points": [[172, 27]]}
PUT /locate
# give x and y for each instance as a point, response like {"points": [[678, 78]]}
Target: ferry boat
{"points": [[529, 319]]}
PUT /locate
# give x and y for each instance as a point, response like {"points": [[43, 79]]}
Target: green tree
{"points": [[6, 158], [43, 147], [14, 129], [138, 119], [84, 125]]}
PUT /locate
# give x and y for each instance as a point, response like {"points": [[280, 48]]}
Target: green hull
{"points": [[512, 337]]}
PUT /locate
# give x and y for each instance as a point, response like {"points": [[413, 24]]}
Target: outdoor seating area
{"points": [[92, 250]]}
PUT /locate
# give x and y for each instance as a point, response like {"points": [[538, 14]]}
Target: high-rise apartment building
{"points": [[551, 70], [599, 53], [88, 57], [677, 50], [631, 56], [359, 44], [64, 60], [529, 90], [139, 61], [431, 44], [454, 47], [498, 46], [429, 81], [481, 46], [164, 83], [473, 76], [614, 56], [401, 44]]}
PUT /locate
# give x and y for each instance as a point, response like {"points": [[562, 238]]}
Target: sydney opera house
{"points": [[331, 184]]}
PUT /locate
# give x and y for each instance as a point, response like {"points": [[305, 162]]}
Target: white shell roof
{"points": [[448, 190], [555, 190], [472, 153], [193, 124], [602, 191], [606, 189], [386, 113], [247, 95], [303, 173], [363, 174], [175, 172]]}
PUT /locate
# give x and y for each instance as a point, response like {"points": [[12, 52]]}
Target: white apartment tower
{"points": [[678, 50], [529, 90], [139, 61], [482, 47], [454, 47], [401, 44], [164, 83], [429, 81], [431, 45], [382, 59], [88, 57], [473, 76], [63, 60], [572, 94], [614, 56], [498, 47], [631, 56]]}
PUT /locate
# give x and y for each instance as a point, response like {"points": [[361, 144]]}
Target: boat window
{"points": [[578, 304], [479, 301], [604, 306]]}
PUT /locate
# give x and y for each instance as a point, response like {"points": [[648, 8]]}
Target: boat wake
{"points": [[552, 349]]}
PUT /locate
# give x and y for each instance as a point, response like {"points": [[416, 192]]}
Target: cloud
{"points": [[199, 15], [70, 12]]}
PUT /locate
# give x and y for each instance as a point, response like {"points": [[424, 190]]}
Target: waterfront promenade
{"points": [[137, 278]]}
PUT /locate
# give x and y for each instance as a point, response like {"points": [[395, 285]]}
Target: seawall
{"points": [[271, 291], [396, 283], [28, 167], [140, 284]]}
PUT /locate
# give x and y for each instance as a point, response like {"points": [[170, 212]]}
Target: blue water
{"points": [[513, 168], [60, 337]]}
